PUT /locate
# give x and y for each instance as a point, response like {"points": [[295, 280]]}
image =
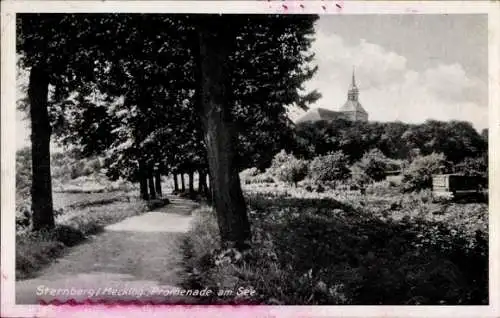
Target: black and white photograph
{"points": [[269, 158]]}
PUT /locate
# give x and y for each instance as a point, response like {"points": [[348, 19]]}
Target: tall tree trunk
{"points": [[176, 183], [191, 182], [158, 183], [183, 185], [41, 187], [152, 190], [215, 44], [143, 180], [201, 175]]}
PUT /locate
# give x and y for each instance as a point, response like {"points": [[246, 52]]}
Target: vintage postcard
{"points": [[285, 158]]}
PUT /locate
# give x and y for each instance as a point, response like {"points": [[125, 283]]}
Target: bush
{"points": [[265, 177], [418, 176], [374, 163], [250, 172], [309, 252], [473, 167], [253, 175], [279, 159], [331, 167], [35, 250], [289, 169], [359, 177]]}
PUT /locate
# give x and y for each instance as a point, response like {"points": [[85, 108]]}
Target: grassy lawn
{"points": [[341, 247]]}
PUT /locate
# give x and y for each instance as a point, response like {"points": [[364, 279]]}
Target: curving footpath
{"points": [[139, 258]]}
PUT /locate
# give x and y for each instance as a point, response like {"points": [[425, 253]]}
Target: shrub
{"points": [[293, 171], [325, 252], [265, 177], [289, 169], [250, 172], [279, 159], [253, 175], [331, 167], [359, 177], [418, 176], [374, 163], [473, 167]]}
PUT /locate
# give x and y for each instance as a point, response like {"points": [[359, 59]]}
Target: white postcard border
{"points": [[8, 88]]}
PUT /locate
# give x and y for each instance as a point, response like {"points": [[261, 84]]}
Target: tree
{"points": [[455, 139], [484, 134], [61, 59], [418, 176], [162, 67], [473, 167], [331, 167], [289, 169], [216, 40], [374, 163]]}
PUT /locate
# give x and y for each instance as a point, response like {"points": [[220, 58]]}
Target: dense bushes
{"points": [[331, 167], [390, 250], [253, 175], [374, 163], [289, 169], [473, 167], [418, 176]]}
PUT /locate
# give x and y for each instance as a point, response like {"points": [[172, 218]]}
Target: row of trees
{"points": [[158, 94], [457, 140]]}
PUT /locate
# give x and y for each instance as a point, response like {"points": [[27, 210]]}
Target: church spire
{"points": [[352, 93], [353, 84]]}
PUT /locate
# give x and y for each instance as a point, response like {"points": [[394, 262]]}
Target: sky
{"points": [[408, 67]]}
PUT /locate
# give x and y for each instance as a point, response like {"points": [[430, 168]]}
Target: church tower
{"points": [[352, 108], [353, 92]]}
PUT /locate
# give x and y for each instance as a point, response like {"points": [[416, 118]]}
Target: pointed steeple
{"points": [[353, 83], [352, 108], [353, 92]]}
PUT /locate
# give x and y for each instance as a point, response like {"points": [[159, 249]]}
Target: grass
{"points": [[74, 223], [341, 247]]}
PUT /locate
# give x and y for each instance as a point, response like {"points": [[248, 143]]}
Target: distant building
{"points": [[351, 110]]}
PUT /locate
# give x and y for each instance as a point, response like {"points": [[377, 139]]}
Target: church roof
{"points": [[316, 114], [353, 106]]}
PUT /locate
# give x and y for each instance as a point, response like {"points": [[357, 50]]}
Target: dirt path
{"points": [[141, 254]]}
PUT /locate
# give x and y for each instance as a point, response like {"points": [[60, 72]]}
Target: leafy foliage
{"points": [[396, 140], [418, 176], [375, 164], [289, 169], [331, 167], [473, 167], [359, 176], [392, 250]]}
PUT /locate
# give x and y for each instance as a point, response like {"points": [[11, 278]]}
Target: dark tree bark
{"points": [[143, 180], [183, 185], [158, 183], [191, 182], [215, 44], [201, 176], [41, 188], [176, 183], [152, 190]]}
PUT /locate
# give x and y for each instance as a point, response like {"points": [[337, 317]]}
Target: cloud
{"points": [[390, 90]]}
